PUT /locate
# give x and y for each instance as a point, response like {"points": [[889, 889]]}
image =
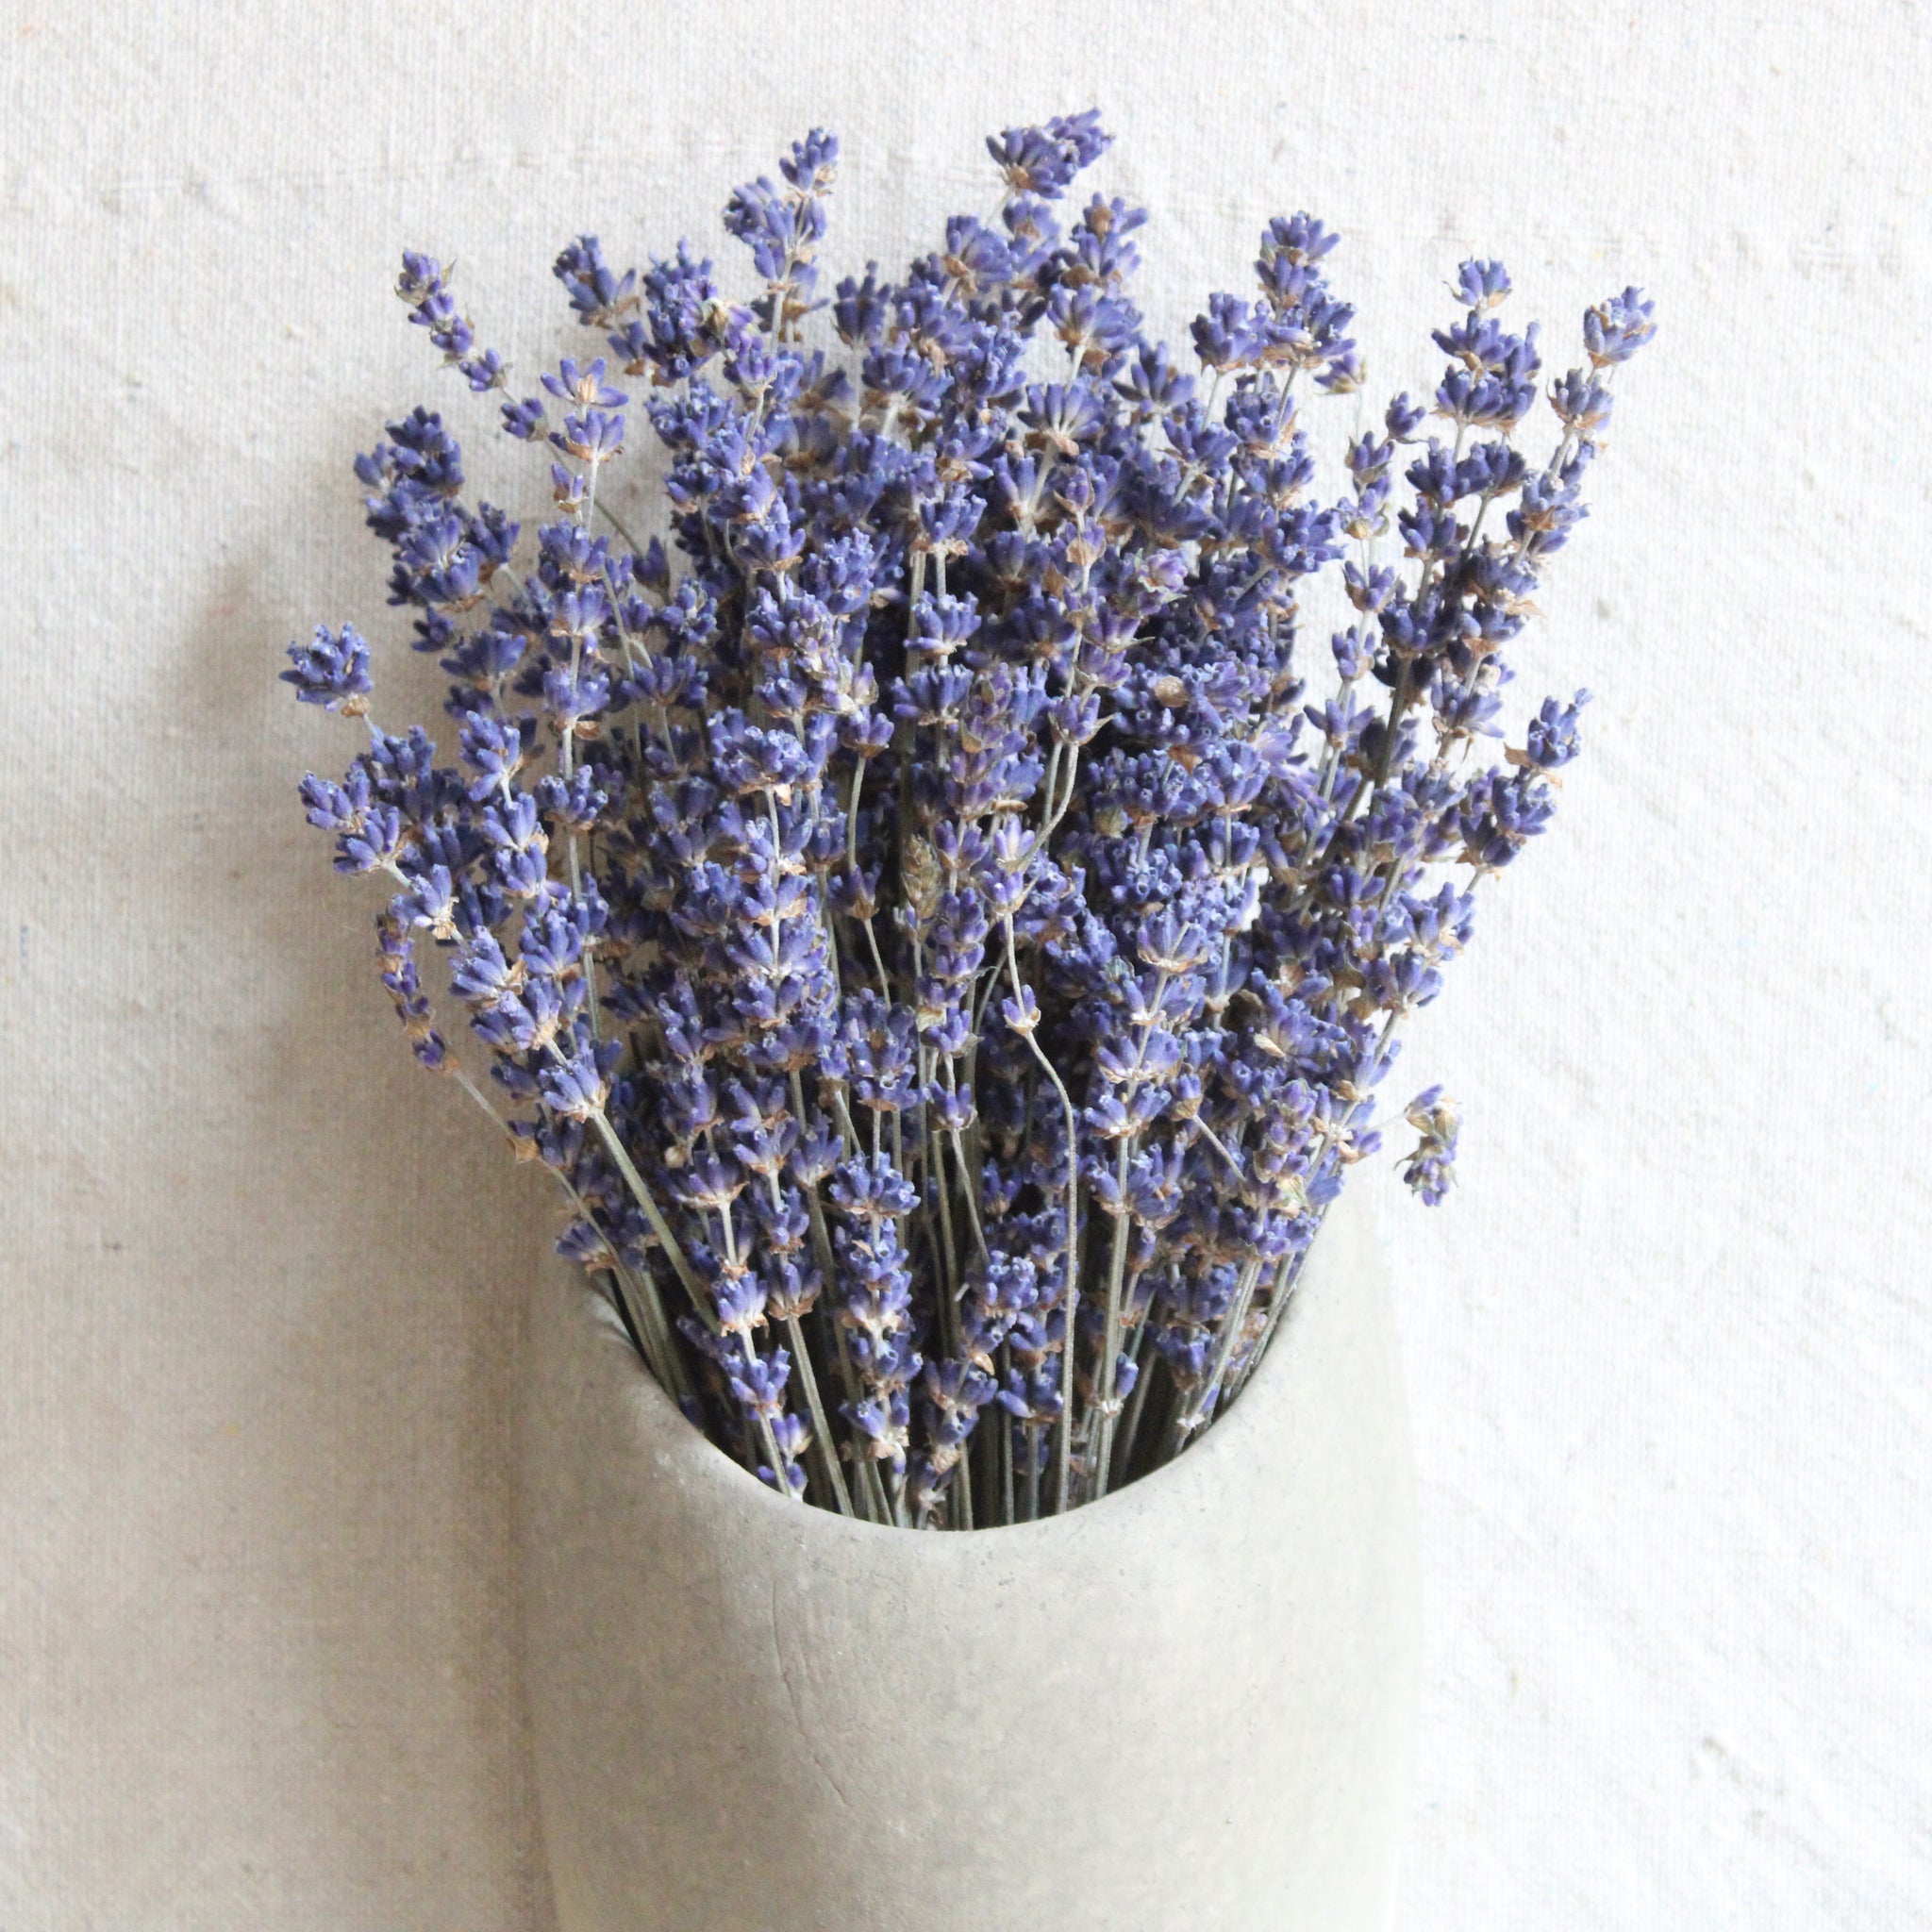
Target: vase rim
{"points": [[1198, 1466]]}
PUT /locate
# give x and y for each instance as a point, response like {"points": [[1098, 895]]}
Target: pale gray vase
{"points": [[1191, 1704]]}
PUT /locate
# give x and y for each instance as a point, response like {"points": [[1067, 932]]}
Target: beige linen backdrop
{"points": [[259, 1335]]}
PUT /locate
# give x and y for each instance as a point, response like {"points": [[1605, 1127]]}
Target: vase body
{"points": [[1192, 1704]]}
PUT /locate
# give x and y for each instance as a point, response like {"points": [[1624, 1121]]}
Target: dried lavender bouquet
{"points": [[941, 935]]}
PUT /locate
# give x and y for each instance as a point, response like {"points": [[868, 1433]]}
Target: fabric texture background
{"points": [[1668, 1345]]}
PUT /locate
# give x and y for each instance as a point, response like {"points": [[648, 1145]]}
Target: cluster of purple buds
{"points": [[932, 911]]}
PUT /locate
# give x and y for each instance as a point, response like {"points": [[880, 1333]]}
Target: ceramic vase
{"points": [[1192, 1704]]}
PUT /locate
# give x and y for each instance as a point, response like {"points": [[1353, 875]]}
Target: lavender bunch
{"points": [[942, 932]]}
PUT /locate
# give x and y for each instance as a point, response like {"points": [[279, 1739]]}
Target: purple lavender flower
{"points": [[1431, 1168], [333, 671]]}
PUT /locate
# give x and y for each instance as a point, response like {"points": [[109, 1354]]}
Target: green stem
{"points": [[821, 1429], [1137, 1406], [1062, 1474], [642, 1195]]}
